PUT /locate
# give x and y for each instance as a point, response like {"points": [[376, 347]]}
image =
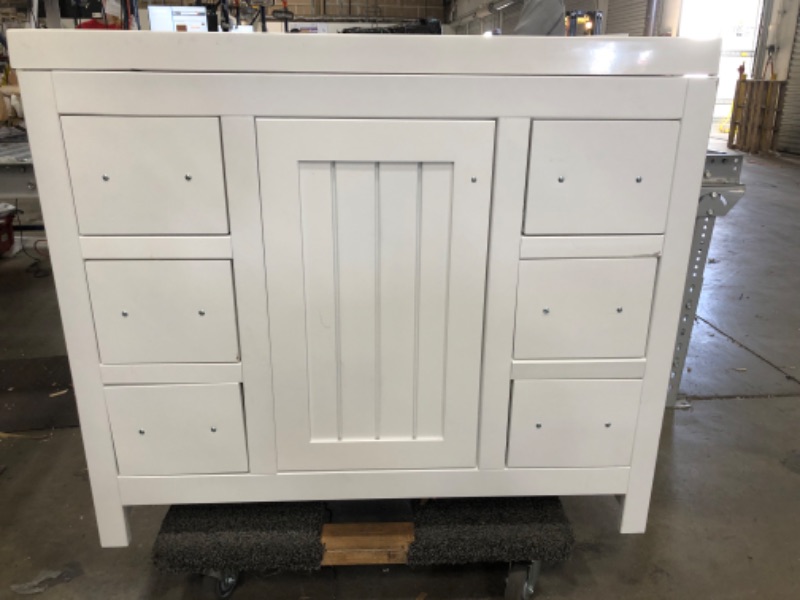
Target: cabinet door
{"points": [[376, 240], [163, 311], [584, 308], [177, 429], [146, 175], [594, 177], [568, 423]]}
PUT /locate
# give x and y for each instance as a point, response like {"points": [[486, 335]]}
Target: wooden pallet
{"points": [[757, 107]]}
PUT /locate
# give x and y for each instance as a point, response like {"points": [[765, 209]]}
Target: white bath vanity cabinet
{"points": [[334, 267]]}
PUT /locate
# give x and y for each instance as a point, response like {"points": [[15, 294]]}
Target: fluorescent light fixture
{"points": [[502, 5]]}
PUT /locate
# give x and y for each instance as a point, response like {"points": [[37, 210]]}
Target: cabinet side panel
{"points": [[44, 131], [689, 164]]}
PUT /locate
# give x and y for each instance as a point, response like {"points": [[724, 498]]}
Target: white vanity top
{"points": [[340, 53]]}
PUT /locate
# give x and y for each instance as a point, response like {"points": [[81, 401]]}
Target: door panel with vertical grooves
{"points": [[376, 241]]}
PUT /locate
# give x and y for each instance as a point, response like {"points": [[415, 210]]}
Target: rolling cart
{"points": [[222, 541]]}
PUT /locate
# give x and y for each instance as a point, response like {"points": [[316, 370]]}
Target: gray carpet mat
{"points": [[482, 530], [242, 537]]}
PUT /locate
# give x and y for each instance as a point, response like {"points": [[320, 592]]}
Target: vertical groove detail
{"points": [[447, 299], [417, 276], [305, 303], [378, 383], [336, 300]]}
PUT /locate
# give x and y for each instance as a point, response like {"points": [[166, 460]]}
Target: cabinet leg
{"points": [[634, 513], [112, 525]]}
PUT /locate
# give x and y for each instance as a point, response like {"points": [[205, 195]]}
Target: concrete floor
{"points": [[724, 519]]}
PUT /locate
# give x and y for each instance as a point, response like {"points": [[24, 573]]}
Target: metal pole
{"points": [[52, 13], [651, 18]]}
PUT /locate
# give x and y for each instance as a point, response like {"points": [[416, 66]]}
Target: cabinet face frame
{"points": [[50, 95]]}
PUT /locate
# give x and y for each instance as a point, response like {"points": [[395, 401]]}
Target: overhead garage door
{"points": [[789, 132], [510, 18], [626, 16]]}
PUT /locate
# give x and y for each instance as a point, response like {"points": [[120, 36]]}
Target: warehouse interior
{"points": [[723, 515]]}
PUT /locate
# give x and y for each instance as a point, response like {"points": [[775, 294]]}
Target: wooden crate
{"points": [[757, 107]]}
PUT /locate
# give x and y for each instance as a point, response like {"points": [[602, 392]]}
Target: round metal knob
{"points": [[608, 425], [213, 429], [106, 177], [546, 311], [639, 179], [188, 177], [538, 426], [619, 309], [201, 312], [124, 313], [141, 432], [474, 180], [561, 179]]}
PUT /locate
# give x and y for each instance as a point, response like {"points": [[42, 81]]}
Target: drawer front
{"points": [[171, 311], [600, 177], [569, 423], [177, 429], [134, 175], [584, 308]]}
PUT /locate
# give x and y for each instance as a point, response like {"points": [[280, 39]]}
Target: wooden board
{"points": [[366, 543]]}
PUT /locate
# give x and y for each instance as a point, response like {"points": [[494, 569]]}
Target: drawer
{"points": [[595, 177], [170, 311], [177, 429], [584, 308], [133, 175], [569, 423]]}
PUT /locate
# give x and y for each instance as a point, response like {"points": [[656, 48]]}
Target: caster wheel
{"points": [[226, 584], [521, 581]]}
